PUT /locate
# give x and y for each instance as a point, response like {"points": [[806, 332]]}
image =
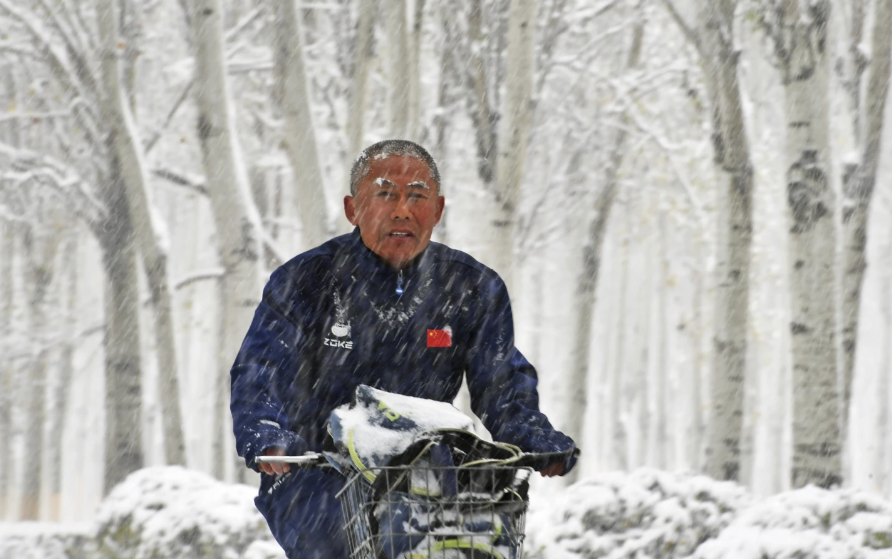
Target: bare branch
{"points": [[170, 114], [200, 275], [181, 179], [690, 34]]}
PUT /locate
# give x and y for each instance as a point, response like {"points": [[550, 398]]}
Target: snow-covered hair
{"points": [[386, 148]]}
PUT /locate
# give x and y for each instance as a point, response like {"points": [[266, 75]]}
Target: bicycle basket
{"points": [[405, 516]]}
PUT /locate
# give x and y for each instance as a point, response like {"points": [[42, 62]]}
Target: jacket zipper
{"points": [[399, 284]]}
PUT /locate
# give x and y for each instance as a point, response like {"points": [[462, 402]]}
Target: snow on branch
{"points": [[25, 164], [200, 275]]}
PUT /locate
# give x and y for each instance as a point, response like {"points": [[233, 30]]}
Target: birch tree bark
{"points": [[7, 372], [123, 361], [292, 96], [619, 431], [59, 409], [413, 132], [801, 46], [735, 220], [400, 76], [514, 132], [858, 186], [39, 245], [480, 104], [587, 283], [235, 216], [880, 470], [714, 40], [7, 246], [150, 234], [365, 50]]}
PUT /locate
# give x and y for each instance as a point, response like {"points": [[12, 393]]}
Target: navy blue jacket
{"points": [[331, 319]]}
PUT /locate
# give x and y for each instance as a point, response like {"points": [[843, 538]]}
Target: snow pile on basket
{"points": [[176, 513], [378, 425], [645, 513], [42, 540], [809, 522]]}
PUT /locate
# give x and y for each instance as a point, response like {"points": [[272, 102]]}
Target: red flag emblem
{"points": [[439, 338]]}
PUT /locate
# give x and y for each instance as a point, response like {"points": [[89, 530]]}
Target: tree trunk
{"points": [[235, 216], [413, 132], [7, 249], [516, 117], [735, 239], [858, 187], [805, 44], [587, 284], [365, 50], [400, 77], [696, 372], [479, 102], [123, 363], [292, 96], [662, 426], [39, 246], [619, 432], [150, 233], [880, 471], [66, 370]]}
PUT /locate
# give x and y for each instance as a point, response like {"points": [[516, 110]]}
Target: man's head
{"points": [[395, 201]]}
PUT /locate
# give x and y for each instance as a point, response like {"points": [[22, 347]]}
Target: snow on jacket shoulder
{"points": [[332, 319]]}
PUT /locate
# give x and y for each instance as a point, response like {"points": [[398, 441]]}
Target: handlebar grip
{"points": [[310, 460], [540, 460]]}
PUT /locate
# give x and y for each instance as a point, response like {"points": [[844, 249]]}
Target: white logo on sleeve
{"points": [[340, 330]]}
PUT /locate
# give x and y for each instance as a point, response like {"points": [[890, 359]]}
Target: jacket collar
{"points": [[368, 263]]}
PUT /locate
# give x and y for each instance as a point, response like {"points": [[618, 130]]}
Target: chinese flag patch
{"points": [[439, 338]]}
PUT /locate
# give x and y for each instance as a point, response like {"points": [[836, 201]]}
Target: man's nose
{"points": [[401, 209]]}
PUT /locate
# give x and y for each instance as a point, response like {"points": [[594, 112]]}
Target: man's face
{"points": [[396, 208]]}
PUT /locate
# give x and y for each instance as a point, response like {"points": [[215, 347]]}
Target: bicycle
{"points": [[445, 512]]}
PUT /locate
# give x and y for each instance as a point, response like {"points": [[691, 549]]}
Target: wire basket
{"points": [[412, 512]]}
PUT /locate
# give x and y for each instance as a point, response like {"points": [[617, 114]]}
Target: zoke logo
{"points": [[340, 330]]}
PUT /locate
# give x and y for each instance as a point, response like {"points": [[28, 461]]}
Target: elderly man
{"points": [[385, 307]]}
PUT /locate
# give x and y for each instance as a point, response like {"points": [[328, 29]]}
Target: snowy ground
{"points": [[161, 513]]}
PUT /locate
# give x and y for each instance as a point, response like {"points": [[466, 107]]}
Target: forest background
{"points": [[681, 194]]}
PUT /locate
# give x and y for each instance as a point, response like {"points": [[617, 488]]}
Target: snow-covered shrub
{"points": [[174, 513], [645, 513], [40, 540], [808, 523]]}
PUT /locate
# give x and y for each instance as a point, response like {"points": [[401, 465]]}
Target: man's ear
{"points": [[350, 209], [441, 204]]}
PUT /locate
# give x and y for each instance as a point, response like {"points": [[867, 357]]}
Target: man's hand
{"points": [[274, 468], [553, 470]]}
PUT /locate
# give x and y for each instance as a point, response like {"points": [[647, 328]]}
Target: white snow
{"points": [[371, 440], [156, 513], [170, 512], [42, 540], [655, 514], [645, 513]]}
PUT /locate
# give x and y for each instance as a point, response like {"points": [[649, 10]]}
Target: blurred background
{"points": [[681, 195]]}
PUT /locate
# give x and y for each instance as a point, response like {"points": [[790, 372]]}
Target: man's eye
{"points": [[384, 194], [418, 196]]}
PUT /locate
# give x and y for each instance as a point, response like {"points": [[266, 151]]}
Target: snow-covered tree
{"points": [[859, 180], [235, 215], [293, 97], [798, 32], [150, 234]]}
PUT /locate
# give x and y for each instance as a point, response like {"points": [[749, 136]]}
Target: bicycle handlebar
{"points": [[309, 460], [536, 460]]}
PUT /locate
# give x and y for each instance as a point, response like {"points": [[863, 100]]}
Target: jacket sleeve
{"points": [[503, 383], [262, 373]]}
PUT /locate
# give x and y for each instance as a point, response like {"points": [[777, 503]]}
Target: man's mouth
{"points": [[400, 234]]}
